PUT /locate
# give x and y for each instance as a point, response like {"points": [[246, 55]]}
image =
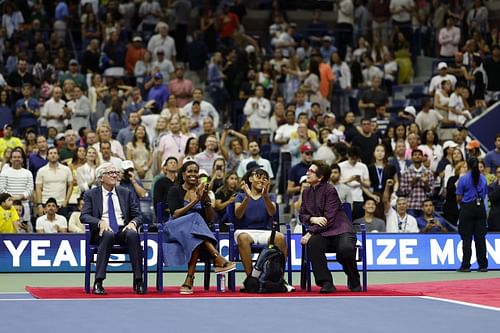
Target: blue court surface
{"points": [[21, 313]]}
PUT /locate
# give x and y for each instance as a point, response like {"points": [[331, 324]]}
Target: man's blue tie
{"points": [[113, 222]]}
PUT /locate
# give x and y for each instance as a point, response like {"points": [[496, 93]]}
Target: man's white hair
{"points": [[102, 169]]}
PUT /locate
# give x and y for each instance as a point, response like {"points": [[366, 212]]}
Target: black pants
{"points": [[344, 245], [472, 223], [343, 37], [131, 239]]}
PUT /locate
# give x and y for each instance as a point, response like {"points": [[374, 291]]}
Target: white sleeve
{"points": [[391, 221]]}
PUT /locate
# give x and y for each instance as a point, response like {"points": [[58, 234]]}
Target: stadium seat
{"points": [[162, 218], [91, 251], [233, 247], [305, 270]]}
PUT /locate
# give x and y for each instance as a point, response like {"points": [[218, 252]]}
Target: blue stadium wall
{"points": [[66, 253]]}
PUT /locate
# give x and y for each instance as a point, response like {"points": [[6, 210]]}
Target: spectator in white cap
{"points": [[407, 116], [440, 77], [327, 48], [74, 74], [330, 121], [325, 151], [129, 181], [135, 52], [162, 41]]}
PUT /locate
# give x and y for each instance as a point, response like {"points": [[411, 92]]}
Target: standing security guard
{"points": [[471, 193]]}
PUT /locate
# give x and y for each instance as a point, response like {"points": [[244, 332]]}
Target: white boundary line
{"points": [[474, 305], [201, 298]]}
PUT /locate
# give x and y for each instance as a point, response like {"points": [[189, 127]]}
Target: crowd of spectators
{"points": [[150, 85]]}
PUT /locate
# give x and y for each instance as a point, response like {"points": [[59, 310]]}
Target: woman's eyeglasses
{"points": [[111, 173], [311, 171]]}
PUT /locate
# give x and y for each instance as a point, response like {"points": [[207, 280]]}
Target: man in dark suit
{"points": [[113, 217]]}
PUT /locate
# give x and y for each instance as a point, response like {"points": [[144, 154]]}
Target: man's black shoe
{"points": [[463, 270], [139, 288], [98, 289], [356, 289], [482, 270], [327, 288], [353, 287]]}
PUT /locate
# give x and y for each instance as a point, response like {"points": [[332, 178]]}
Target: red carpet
{"points": [[482, 291], [173, 292]]}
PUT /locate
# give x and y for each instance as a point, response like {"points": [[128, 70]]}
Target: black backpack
{"points": [[269, 269]]}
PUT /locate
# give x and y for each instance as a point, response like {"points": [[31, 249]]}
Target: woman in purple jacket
{"points": [[329, 229]]}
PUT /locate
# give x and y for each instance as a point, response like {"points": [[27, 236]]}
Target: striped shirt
{"points": [[16, 182]]}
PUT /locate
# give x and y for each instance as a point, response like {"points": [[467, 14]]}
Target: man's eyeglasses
{"points": [[308, 153], [111, 173]]}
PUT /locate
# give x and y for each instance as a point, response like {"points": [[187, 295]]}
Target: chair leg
{"points": [[88, 262], [145, 258], [289, 253], [206, 277], [159, 261], [303, 263]]}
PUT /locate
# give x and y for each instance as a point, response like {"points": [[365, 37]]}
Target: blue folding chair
{"points": [[162, 217], [233, 247], [91, 251]]}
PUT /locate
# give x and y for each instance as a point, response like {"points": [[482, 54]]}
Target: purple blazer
{"points": [[323, 200]]}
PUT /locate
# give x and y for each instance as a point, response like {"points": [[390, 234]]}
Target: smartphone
{"points": [[203, 180]]}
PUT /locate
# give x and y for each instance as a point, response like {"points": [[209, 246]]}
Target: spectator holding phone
{"points": [[204, 179], [129, 181], [430, 222], [354, 174], [226, 195], [218, 172]]}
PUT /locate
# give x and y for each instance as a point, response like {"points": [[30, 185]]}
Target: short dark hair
{"points": [[51, 200], [497, 136], [323, 170], [369, 199], [52, 148], [427, 200], [417, 151], [4, 197], [354, 151], [335, 166]]}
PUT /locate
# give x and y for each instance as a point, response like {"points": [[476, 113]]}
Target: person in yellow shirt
{"points": [[9, 220], [9, 141]]}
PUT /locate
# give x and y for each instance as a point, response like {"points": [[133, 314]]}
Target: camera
{"points": [[228, 126], [218, 167]]}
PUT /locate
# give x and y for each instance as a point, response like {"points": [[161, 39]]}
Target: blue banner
{"points": [[66, 252]]}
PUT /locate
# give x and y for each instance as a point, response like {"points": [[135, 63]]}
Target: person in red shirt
{"points": [[228, 24]]}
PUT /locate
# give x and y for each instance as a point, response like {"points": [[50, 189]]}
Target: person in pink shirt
{"points": [[180, 87]]}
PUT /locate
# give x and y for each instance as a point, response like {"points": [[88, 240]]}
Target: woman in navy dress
{"points": [[187, 234]]}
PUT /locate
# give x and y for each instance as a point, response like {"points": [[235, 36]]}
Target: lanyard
{"points": [[177, 141], [400, 222], [380, 176]]}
